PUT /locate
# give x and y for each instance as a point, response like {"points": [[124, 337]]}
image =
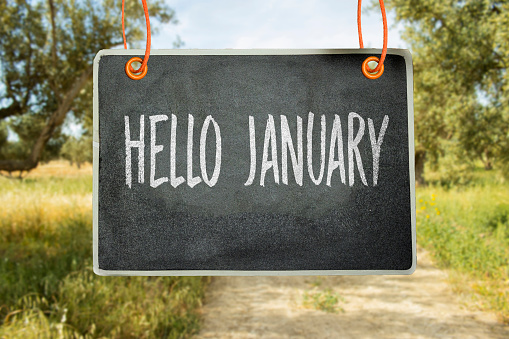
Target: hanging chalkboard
{"points": [[253, 162]]}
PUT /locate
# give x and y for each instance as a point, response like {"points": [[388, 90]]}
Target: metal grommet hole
{"points": [[136, 66], [371, 65]]}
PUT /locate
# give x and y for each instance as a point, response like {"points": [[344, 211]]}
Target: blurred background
{"points": [[47, 288]]}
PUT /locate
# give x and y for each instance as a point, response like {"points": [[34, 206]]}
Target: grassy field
{"points": [[467, 230], [47, 286], [48, 289]]}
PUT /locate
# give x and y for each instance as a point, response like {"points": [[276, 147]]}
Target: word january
{"points": [[269, 161]]}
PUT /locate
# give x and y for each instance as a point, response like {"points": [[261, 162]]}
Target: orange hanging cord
{"points": [[143, 68], [366, 69]]}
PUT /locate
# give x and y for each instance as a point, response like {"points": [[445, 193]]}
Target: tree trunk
{"points": [[488, 166], [56, 119], [487, 161], [420, 158]]}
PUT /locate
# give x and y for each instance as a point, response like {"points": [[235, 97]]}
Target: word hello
{"points": [[292, 148]]}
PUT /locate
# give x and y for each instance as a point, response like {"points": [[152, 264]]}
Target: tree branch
{"points": [[53, 85], [28, 71], [17, 108], [56, 119]]}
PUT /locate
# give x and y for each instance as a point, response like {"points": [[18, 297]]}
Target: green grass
{"points": [[466, 229], [324, 300], [47, 287]]}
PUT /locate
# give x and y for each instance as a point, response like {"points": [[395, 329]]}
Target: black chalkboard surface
{"points": [[253, 162]]}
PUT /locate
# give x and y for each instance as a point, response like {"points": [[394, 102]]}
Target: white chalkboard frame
{"points": [[368, 51]]}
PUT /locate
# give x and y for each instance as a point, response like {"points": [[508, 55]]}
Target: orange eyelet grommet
{"points": [[130, 74], [366, 69]]}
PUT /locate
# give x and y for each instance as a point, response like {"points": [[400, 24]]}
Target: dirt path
{"points": [[417, 306]]}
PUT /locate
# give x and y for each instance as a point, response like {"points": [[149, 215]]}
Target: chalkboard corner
{"points": [[99, 271], [402, 52], [412, 268], [99, 55]]}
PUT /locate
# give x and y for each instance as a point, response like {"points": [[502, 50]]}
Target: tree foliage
{"points": [[46, 53], [77, 151], [461, 52]]}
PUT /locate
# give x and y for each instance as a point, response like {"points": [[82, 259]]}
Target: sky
{"points": [[218, 24]]}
